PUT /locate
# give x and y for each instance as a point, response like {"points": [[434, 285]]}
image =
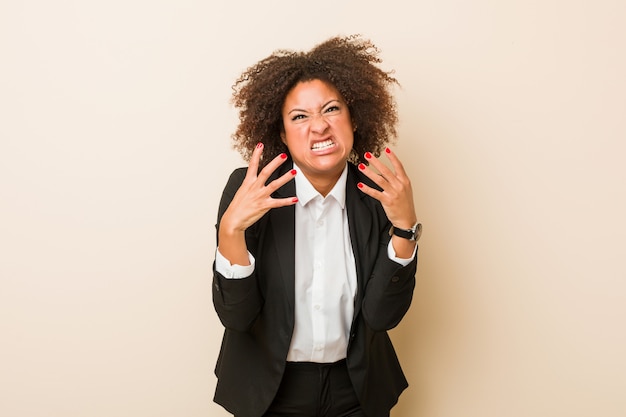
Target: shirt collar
{"points": [[306, 192]]}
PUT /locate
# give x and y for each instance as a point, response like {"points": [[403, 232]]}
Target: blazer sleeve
{"points": [[390, 286], [236, 301]]}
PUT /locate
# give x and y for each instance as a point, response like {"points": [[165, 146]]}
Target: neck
{"points": [[323, 184], [323, 188]]}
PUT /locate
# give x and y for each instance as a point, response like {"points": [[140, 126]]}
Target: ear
{"points": [[282, 136]]}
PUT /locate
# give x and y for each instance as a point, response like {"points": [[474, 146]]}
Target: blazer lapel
{"points": [[283, 225], [360, 225]]}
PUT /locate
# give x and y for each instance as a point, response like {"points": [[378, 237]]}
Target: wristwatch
{"points": [[413, 233]]}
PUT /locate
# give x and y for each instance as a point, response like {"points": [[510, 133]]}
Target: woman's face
{"points": [[317, 130]]}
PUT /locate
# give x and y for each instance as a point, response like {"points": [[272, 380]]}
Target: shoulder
{"points": [[236, 177], [232, 185], [234, 181]]}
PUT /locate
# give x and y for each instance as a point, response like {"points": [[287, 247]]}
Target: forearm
{"points": [[232, 243]]}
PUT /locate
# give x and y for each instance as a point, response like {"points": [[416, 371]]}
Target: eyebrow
{"points": [[306, 111]]}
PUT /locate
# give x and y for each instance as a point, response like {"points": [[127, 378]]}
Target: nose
{"points": [[318, 122]]}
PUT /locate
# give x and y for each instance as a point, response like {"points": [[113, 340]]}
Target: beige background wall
{"points": [[114, 148]]}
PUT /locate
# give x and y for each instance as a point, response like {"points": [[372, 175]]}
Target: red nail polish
{"points": [[294, 200], [259, 145], [360, 185], [294, 172], [368, 155], [283, 155], [387, 150], [362, 167]]}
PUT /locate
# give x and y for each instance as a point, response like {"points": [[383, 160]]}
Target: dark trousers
{"points": [[315, 390]]}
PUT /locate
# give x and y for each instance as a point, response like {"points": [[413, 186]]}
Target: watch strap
{"points": [[413, 233]]}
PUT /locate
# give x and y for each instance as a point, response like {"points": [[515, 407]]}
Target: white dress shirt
{"points": [[325, 273]]}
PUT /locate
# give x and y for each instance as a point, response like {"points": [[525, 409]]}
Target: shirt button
{"points": [[317, 306], [320, 223]]}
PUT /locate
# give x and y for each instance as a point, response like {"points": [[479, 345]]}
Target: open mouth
{"points": [[318, 146]]}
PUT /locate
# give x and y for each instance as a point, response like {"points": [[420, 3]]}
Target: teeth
{"points": [[321, 145]]}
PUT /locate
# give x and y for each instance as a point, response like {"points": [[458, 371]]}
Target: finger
{"points": [[372, 192], [271, 167], [253, 166], [282, 180], [377, 178], [382, 168], [283, 202], [396, 178], [395, 162]]}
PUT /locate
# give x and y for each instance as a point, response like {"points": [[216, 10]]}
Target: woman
{"points": [[316, 253]]}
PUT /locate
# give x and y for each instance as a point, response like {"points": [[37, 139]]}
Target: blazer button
{"points": [[395, 279]]}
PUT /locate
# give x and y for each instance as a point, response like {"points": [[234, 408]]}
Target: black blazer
{"points": [[258, 312]]}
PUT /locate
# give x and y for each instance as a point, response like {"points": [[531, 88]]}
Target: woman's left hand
{"points": [[396, 196]]}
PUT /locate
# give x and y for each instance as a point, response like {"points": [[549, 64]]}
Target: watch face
{"points": [[418, 231]]}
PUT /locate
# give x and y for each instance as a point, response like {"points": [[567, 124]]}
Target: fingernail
{"points": [[368, 155], [283, 155], [387, 150], [294, 172], [259, 145], [294, 200], [362, 167], [360, 185]]}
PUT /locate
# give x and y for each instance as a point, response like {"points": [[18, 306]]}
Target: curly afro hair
{"points": [[348, 63]]}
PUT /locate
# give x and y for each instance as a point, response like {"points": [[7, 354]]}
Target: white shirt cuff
{"points": [[392, 255], [223, 266]]}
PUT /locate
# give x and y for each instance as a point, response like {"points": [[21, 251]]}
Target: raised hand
{"points": [[396, 196], [250, 203]]}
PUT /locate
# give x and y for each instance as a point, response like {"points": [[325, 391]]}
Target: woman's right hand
{"points": [[250, 203]]}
